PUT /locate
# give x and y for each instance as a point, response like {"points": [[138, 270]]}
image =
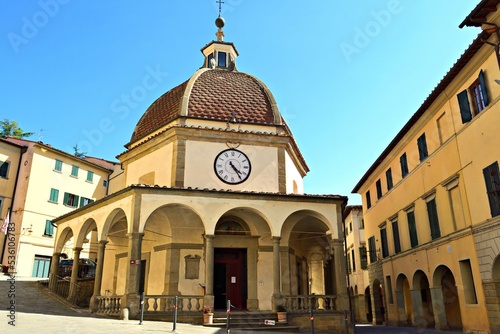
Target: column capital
{"points": [[209, 236], [103, 242], [135, 235], [276, 239], [77, 249]]}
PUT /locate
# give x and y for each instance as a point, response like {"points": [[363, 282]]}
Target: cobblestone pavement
{"points": [[36, 312]]}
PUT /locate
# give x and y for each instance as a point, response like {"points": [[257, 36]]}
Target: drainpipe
{"points": [[9, 210]]}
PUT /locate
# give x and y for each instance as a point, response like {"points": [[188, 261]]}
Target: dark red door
{"points": [[230, 279]]}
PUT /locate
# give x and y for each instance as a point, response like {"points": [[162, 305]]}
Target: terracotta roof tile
{"points": [[215, 94]]}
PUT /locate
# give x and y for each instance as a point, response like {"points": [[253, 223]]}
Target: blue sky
{"points": [[347, 75]]}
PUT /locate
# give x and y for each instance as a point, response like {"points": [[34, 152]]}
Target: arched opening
{"points": [[368, 305], [405, 307], [378, 302], [422, 299], [236, 250], [444, 278]]}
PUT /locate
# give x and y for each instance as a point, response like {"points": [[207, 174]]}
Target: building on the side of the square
{"points": [[355, 240], [431, 200], [48, 183]]}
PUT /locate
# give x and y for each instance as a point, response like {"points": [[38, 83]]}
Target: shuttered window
{"points": [[479, 96], [395, 234], [54, 195], [422, 147], [388, 176], [412, 228], [404, 165], [433, 219], [492, 181]]}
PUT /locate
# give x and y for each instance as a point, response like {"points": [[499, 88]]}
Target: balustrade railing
{"points": [[108, 305], [163, 303], [298, 303]]}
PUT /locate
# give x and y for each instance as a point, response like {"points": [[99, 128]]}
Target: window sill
{"points": [[48, 236], [70, 206], [52, 202], [91, 182], [57, 171], [73, 176]]}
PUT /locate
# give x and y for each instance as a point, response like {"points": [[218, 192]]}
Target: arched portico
{"points": [[403, 297], [422, 300], [445, 299]]}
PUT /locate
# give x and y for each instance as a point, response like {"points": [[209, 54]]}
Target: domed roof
{"points": [[212, 94]]}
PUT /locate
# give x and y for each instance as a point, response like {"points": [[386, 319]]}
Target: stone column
{"points": [[172, 263], [317, 273], [400, 299], [101, 248], [286, 273], [209, 270], [340, 275], [54, 268], [276, 266], [418, 312], [438, 308], [277, 299], [131, 299], [253, 300], [73, 288]]}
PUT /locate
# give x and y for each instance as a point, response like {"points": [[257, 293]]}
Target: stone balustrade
{"points": [[300, 303]]}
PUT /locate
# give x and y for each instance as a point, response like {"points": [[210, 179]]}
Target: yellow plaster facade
{"points": [[430, 204]]}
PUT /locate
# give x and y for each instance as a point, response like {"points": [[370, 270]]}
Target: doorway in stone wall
{"points": [[230, 278]]}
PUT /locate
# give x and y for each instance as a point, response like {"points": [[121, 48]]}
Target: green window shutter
{"points": [[412, 228], [388, 176], [58, 166], [404, 165], [82, 199], [433, 219], [422, 147], [395, 234], [90, 176], [49, 228], [492, 181], [77, 198], [54, 195], [363, 258], [463, 103], [484, 91], [74, 171], [66, 198], [383, 240]]}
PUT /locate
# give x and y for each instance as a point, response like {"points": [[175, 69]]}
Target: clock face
{"points": [[232, 166]]}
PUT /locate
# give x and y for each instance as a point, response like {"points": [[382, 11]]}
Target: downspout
{"points": [[9, 210]]}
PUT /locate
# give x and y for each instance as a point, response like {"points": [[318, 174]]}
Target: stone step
{"points": [[255, 321]]}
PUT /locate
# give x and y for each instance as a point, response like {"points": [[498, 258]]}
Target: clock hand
{"points": [[235, 169]]}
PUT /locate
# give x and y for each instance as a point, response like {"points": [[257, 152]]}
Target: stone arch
{"points": [[495, 271], [447, 301], [115, 231], [378, 302], [404, 302], [238, 234], [87, 239], [307, 235], [422, 300], [368, 305], [254, 221], [64, 236]]}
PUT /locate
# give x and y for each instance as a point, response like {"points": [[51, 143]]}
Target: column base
{"points": [[253, 304], [131, 306]]}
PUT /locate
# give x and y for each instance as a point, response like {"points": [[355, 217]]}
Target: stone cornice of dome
{"points": [[226, 130], [290, 140]]}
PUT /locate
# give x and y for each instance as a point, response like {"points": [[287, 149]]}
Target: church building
{"points": [[212, 207]]}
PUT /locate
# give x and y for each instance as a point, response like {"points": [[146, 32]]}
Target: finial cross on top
{"points": [[220, 2]]}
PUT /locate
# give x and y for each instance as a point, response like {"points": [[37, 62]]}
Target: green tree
{"points": [[12, 129], [78, 153]]}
